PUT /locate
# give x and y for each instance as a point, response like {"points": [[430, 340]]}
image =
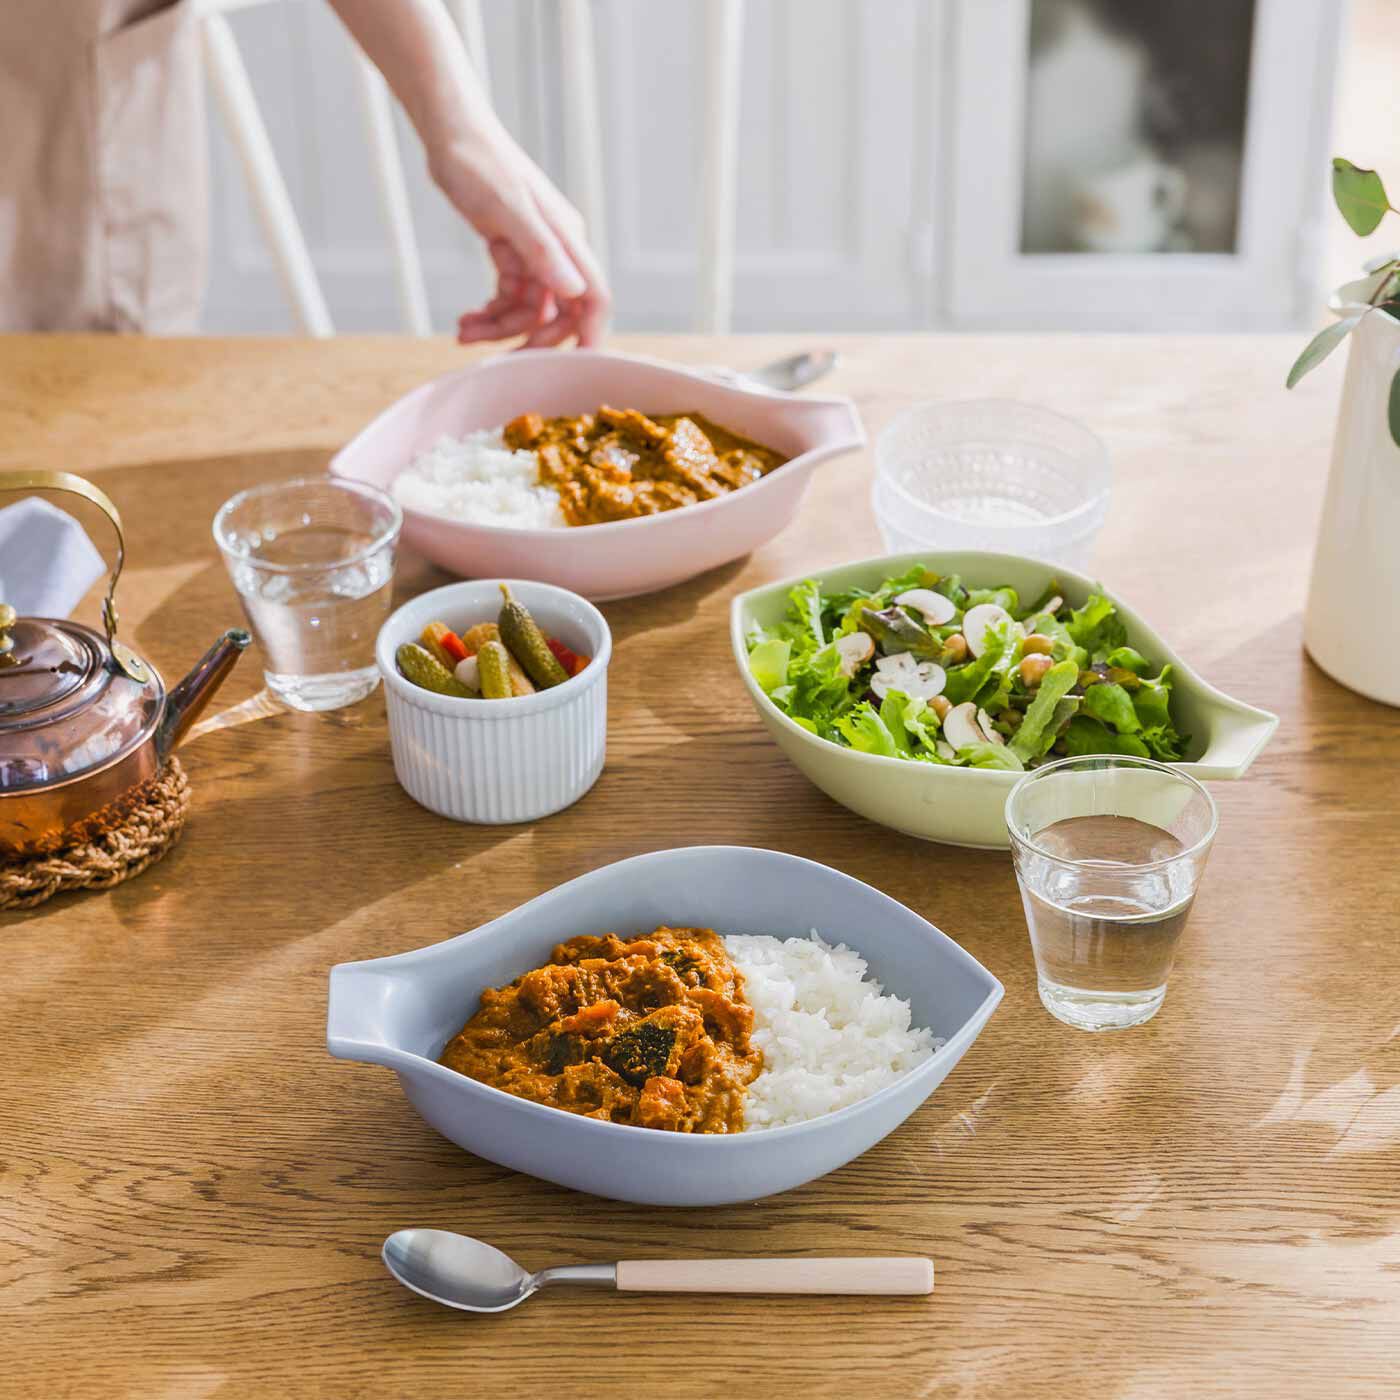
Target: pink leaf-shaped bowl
{"points": [[625, 557]]}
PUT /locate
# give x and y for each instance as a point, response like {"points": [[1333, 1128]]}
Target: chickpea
{"points": [[954, 650], [941, 707], [1033, 669], [1037, 644]]}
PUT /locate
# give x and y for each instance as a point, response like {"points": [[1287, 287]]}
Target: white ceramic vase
{"points": [[1352, 624]]}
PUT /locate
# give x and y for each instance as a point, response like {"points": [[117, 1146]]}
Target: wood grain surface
{"points": [[195, 1192]]}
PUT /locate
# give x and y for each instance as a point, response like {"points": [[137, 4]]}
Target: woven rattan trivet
{"points": [[147, 831]]}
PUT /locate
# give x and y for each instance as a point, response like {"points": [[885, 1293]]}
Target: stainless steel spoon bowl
{"points": [[794, 371], [461, 1272]]}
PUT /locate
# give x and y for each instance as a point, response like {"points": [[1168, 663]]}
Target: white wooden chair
{"points": [[228, 76]]}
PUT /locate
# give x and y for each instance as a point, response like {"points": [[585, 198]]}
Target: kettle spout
{"points": [[186, 702]]}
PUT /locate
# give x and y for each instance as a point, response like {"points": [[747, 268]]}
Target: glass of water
{"points": [[313, 562], [1108, 851]]}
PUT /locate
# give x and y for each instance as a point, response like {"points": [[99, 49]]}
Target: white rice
{"points": [[477, 478], [829, 1035]]}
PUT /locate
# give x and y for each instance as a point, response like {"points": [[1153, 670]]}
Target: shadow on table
{"points": [[672, 607]]}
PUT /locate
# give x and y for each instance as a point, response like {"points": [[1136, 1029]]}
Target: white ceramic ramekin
{"points": [[497, 761]]}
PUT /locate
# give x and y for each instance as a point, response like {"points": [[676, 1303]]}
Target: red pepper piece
{"points": [[452, 644], [570, 660]]}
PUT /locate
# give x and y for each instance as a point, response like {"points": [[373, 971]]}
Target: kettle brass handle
{"points": [[66, 481]]}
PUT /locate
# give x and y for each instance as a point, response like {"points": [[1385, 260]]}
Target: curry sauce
{"points": [[652, 1031], [619, 463]]}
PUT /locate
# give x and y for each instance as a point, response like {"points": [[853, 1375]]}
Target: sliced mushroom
{"points": [[854, 649], [933, 607], [932, 679], [961, 728], [944, 749], [984, 723], [978, 623], [922, 682], [900, 661], [897, 672]]}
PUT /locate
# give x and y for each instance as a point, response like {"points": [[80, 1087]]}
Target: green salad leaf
{"points": [[912, 724], [768, 663], [1097, 627], [1152, 704], [966, 680], [819, 690], [990, 756], [806, 602], [893, 710], [1128, 659], [1037, 731], [951, 587], [1151, 701], [1002, 597], [1088, 736], [1112, 705], [866, 732]]}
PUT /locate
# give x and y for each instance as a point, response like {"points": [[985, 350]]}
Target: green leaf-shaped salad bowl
{"points": [[916, 688]]}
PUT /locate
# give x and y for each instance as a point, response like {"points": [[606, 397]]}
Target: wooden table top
{"points": [[195, 1192]]}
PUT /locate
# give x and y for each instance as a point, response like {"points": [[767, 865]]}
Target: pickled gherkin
{"points": [[476, 637], [493, 666], [525, 641], [422, 668]]}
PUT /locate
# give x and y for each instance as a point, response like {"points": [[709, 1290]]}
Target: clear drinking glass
{"points": [[1109, 852], [313, 562], [990, 474]]}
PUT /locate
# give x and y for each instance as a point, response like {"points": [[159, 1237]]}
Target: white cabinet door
{"points": [[1125, 167]]}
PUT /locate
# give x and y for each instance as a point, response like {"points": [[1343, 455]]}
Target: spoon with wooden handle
{"points": [[460, 1272]]}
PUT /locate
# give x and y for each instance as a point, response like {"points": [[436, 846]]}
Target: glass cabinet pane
{"points": [[1135, 121]]}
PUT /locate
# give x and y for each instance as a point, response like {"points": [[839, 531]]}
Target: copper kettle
{"points": [[84, 721]]}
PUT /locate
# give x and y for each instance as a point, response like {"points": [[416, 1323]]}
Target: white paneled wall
{"points": [[881, 148], [837, 139]]}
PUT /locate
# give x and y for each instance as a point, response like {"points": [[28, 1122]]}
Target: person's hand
{"points": [[549, 286]]}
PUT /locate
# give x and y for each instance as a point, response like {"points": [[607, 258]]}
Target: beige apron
{"points": [[103, 185]]}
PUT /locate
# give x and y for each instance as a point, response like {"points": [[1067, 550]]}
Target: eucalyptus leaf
{"points": [[1395, 409], [1360, 195], [1320, 346]]}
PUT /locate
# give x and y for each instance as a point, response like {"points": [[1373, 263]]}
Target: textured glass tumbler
{"points": [[313, 563], [1109, 852], [990, 474]]}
